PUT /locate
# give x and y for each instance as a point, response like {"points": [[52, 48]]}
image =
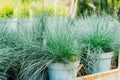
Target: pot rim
{"points": [[62, 66]]}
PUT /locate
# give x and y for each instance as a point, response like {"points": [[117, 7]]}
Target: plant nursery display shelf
{"points": [[109, 75]]}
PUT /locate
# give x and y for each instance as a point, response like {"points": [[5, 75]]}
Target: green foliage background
{"points": [[30, 8], [107, 6]]}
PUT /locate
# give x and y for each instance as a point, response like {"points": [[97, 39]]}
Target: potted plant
{"points": [[100, 32], [64, 50]]}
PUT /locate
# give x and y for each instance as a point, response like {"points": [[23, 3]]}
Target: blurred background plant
{"points": [[7, 8], [32, 8], [100, 6]]}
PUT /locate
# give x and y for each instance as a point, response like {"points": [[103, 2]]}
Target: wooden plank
{"points": [[98, 75]]}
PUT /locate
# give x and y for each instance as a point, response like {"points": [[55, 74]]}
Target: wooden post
{"points": [[55, 5], [73, 8]]}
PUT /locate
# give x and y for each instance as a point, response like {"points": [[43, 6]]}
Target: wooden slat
{"points": [[98, 75]]}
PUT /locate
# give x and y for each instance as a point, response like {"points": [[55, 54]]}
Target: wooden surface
{"points": [[109, 75]]}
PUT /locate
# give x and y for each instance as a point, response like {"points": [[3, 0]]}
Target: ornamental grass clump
{"points": [[21, 45], [61, 40], [8, 50], [100, 31]]}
